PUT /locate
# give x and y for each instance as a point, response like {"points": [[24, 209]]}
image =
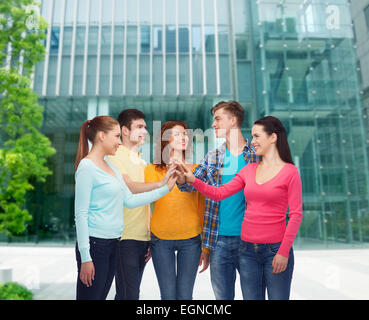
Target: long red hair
{"points": [[162, 152]]}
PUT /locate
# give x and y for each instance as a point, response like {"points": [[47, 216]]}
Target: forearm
{"points": [[83, 240], [290, 234], [140, 199], [139, 187], [295, 215], [221, 192]]}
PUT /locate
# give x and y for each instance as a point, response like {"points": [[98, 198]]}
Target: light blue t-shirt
{"points": [[232, 209], [99, 200]]}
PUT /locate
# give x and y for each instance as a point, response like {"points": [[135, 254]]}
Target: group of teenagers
{"points": [[227, 212]]}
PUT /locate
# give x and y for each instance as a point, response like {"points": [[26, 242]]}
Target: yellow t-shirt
{"points": [[137, 220], [177, 215]]}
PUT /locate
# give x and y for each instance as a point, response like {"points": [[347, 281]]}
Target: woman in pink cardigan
{"points": [[270, 186]]}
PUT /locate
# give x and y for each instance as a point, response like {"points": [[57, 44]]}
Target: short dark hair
{"points": [[126, 117], [232, 107]]}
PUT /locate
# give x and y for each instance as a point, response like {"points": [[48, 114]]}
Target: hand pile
{"points": [[177, 172]]}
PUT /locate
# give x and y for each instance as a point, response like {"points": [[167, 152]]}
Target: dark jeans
{"points": [[256, 272], [103, 253], [176, 274], [130, 266], [224, 263]]}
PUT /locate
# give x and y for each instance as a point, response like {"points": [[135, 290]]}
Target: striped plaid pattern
{"points": [[210, 171]]}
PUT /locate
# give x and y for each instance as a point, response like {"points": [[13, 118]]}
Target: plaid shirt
{"points": [[210, 171]]}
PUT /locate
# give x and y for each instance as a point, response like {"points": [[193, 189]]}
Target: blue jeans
{"points": [[103, 253], [130, 267], [176, 274], [256, 272], [224, 261]]}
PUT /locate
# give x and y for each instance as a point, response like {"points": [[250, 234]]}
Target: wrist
{"points": [[191, 180]]}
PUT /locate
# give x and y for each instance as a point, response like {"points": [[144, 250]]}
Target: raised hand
{"points": [[182, 170], [171, 182], [170, 172]]}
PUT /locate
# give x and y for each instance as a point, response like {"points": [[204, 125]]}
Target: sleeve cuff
{"points": [[206, 250], [284, 251], [163, 190], [85, 255]]}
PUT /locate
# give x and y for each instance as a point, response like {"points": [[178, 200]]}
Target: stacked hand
{"points": [[177, 172], [183, 173]]}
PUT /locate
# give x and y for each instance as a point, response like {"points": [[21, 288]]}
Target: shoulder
{"points": [[291, 172], [291, 168], [213, 155], [85, 168], [250, 167], [84, 163]]}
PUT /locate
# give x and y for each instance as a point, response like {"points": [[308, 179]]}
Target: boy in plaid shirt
{"points": [[223, 219]]}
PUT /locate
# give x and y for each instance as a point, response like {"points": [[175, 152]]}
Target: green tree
{"points": [[23, 148]]}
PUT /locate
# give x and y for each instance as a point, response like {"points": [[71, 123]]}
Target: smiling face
{"points": [[137, 132], [261, 141], [223, 122], [110, 140], [179, 138]]}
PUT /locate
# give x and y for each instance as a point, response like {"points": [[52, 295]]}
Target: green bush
{"points": [[14, 291]]}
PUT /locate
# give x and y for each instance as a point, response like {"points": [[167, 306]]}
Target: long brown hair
{"points": [[88, 132], [162, 155], [274, 125]]}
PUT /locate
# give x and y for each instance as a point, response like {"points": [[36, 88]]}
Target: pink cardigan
{"points": [[265, 216]]}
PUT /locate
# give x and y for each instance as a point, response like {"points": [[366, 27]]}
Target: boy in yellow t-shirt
{"points": [[133, 248]]}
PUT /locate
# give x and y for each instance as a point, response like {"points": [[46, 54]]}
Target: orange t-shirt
{"points": [[177, 215]]}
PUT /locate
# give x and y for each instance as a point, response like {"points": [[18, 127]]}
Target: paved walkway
{"points": [[319, 275]]}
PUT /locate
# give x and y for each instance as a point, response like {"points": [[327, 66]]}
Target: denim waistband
{"points": [[260, 245], [102, 240]]}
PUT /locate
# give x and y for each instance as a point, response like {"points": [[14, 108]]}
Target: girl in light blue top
{"points": [[100, 193]]}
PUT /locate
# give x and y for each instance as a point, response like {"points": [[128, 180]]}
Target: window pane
{"points": [[78, 75], [131, 75], [157, 39], [209, 39], [144, 74], [184, 79], [197, 74], [118, 40], [170, 39], [107, 11], [104, 75], [145, 38], [224, 71], [132, 39], [118, 75], [64, 76], [69, 11], [171, 74], [211, 74], [105, 39], [244, 80], [157, 81], [183, 35], [80, 40], [82, 12], [94, 12], [196, 39], [91, 75]]}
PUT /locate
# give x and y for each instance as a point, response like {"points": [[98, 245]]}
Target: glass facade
{"points": [[174, 59]]}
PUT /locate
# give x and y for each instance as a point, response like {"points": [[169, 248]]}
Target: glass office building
{"points": [[174, 59]]}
